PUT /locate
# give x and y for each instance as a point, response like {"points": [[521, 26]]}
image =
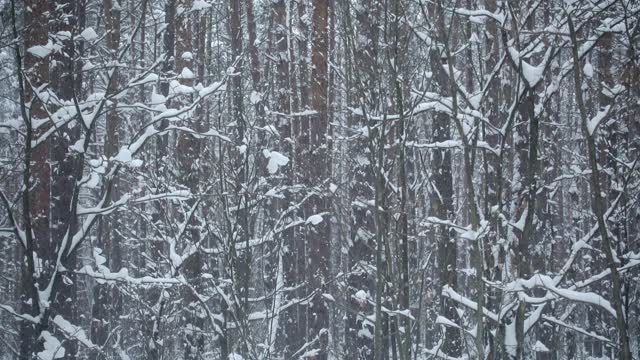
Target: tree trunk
{"points": [[598, 202], [316, 176], [292, 334], [37, 176], [107, 301]]}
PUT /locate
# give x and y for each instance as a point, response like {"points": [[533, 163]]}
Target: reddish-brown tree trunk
{"points": [[316, 176]]}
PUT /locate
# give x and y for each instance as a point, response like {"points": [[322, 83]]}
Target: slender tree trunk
{"points": [[468, 166], [161, 157], [292, 333], [443, 208], [107, 302], [361, 282], [598, 202], [64, 169], [397, 70], [319, 171], [37, 175]]}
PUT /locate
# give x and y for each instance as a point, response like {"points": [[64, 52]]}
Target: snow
{"points": [[88, 65], [532, 74], [453, 295], [187, 74], [200, 5], [176, 88], [255, 97], [277, 292], [446, 322], [52, 347], [103, 275], [540, 347], [149, 78], [474, 38], [124, 155], [588, 70], [89, 34], [276, 160], [40, 50], [329, 297], [62, 35], [546, 282], [592, 125], [271, 130], [361, 296], [218, 86], [123, 355], [521, 221], [406, 313], [98, 258], [498, 16], [158, 101], [447, 144], [94, 180], [303, 113], [314, 219], [311, 354], [73, 331]]}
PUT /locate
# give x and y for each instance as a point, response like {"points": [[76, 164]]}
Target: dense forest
{"points": [[319, 179]]}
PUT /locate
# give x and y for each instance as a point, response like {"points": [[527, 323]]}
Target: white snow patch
{"points": [[200, 5], [52, 347], [329, 297], [314, 219], [88, 34], [361, 296], [540, 347], [94, 180], [41, 51], [271, 129], [187, 74], [446, 322], [158, 100], [592, 125], [73, 331], [533, 74], [124, 155], [88, 65], [255, 97], [588, 70], [276, 160]]}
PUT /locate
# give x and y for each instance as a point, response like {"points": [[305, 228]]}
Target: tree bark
{"points": [[107, 301], [37, 175], [316, 176], [598, 202]]}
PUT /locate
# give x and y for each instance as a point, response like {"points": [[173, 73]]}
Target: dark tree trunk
{"points": [[442, 203], [36, 197], [107, 301], [316, 175]]}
